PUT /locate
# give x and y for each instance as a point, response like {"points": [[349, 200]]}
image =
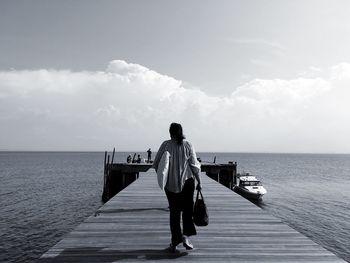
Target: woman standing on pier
{"points": [[179, 188]]}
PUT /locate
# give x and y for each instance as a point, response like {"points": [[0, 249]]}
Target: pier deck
{"points": [[133, 226]]}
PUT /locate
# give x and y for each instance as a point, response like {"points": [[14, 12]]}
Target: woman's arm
{"points": [[159, 155], [195, 167]]}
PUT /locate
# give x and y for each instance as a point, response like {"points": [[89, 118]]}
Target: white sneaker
{"points": [[187, 243]]}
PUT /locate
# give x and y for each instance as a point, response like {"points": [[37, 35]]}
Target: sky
{"points": [[240, 76]]}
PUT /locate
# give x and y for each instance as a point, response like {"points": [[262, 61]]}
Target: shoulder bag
{"points": [[200, 211]]}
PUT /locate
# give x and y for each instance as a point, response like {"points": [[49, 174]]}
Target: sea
{"points": [[45, 195]]}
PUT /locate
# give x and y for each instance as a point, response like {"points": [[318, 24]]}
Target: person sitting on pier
{"points": [[179, 188], [138, 159], [128, 160]]}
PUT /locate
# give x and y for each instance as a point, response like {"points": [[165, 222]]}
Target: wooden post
{"points": [[104, 170], [235, 174], [107, 178], [106, 181], [113, 155], [123, 180]]}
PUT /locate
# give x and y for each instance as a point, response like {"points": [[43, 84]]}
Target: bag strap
{"points": [[199, 192]]}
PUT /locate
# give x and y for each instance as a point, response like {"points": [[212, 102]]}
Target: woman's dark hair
{"points": [[176, 132]]}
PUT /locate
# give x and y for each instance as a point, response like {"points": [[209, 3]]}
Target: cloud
{"points": [[261, 47], [130, 106], [261, 62], [258, 41], [312, 72]]}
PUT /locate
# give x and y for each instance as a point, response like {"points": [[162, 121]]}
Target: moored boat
{"points": [[249, 186]]}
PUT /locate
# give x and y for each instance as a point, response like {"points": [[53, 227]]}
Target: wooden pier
{"points": [[117, 176], [133, 227]]}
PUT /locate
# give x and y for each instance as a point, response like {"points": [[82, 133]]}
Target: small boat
{"points": [[249, 186]]}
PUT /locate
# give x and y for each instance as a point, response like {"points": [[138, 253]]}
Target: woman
{"points": [[179, 188]]}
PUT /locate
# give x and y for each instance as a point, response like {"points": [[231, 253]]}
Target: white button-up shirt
{"points": [[183, 163]]}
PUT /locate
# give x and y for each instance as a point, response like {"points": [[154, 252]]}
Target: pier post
{"points": [[224, 174]]}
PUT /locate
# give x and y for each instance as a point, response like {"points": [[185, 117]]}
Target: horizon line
{"points": [[133, 151]]}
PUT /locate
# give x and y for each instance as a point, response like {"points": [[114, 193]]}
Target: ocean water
{"points": [[44, 195]]}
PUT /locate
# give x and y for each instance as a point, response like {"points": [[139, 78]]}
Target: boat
{"points": [[249, 186]]}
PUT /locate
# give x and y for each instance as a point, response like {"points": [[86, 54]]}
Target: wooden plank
{"points": [[133, 226]]}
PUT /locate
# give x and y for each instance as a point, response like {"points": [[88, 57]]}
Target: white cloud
{"points": [[312, 72], [258, 41], [131, 106], [261, 63]]}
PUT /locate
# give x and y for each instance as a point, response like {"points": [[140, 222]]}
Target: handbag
{"points": [[200, 211]]}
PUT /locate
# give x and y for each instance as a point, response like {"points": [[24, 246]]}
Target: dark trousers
{"points": [[181, 202]]}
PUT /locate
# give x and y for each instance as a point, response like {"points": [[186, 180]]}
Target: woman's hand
{"points": [[199, 187]]}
